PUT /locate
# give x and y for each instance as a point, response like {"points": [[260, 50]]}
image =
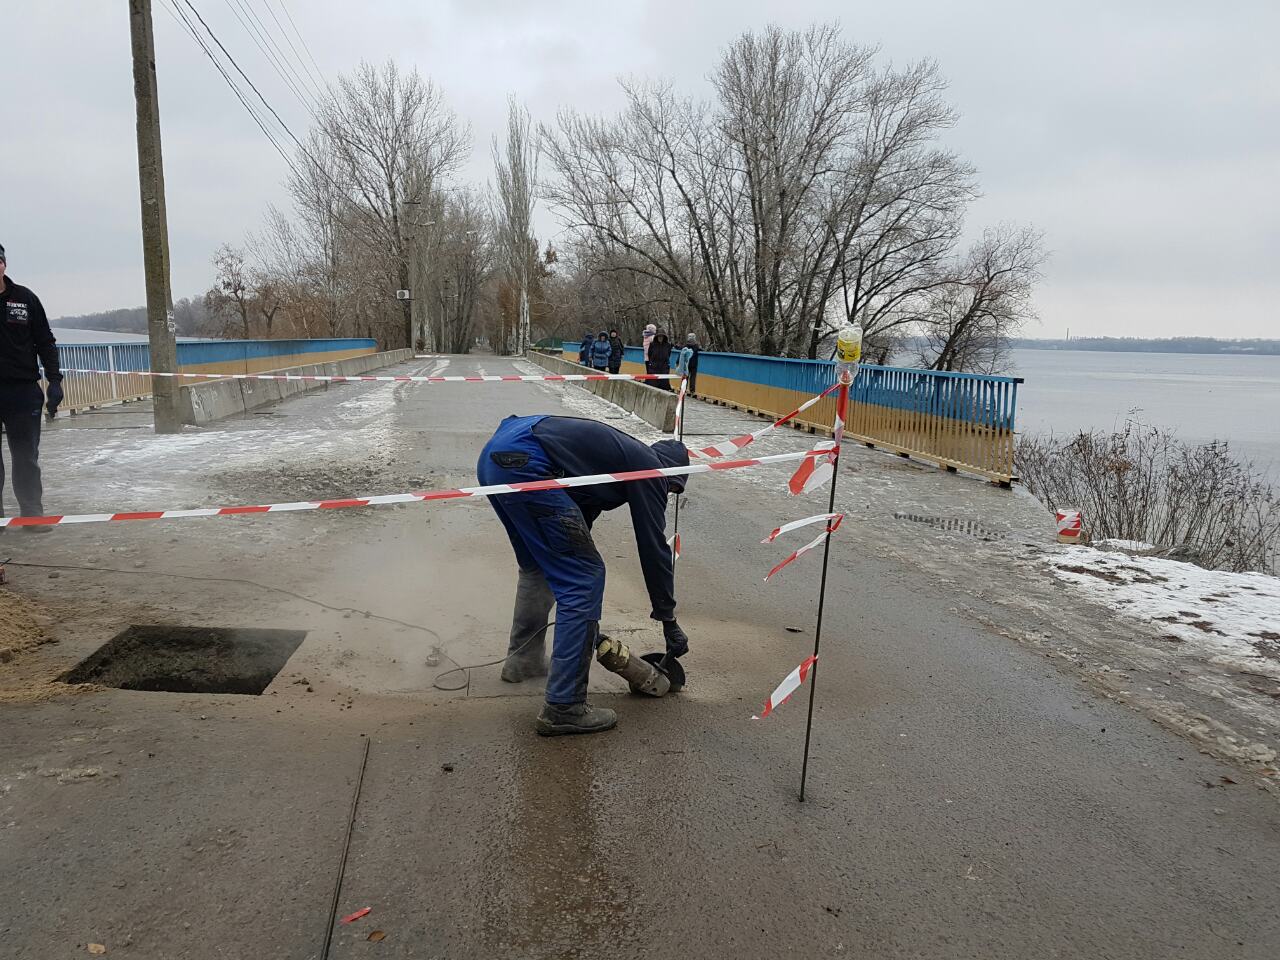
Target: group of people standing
{"points": [[604, 352]]}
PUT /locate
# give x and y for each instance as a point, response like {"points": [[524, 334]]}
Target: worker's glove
{"points": [[677, 640], [53, 397]]}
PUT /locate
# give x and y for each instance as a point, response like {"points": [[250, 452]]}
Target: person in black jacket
{"points": [[659, 359], [550, 531], [616, 351], [25, 338], [584, 349]]}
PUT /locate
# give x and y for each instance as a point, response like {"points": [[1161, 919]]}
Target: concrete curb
{"points": [[653, 405], [203, 403]]}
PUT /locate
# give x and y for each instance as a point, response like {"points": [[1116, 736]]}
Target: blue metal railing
{"points": [[959, 420], [123, 362], [987, 401]]}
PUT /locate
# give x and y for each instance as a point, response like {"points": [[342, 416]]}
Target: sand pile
{"points": [[19, 626]]}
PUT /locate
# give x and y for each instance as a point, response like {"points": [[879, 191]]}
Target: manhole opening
{"points": [[188, 659], [952, 525]]}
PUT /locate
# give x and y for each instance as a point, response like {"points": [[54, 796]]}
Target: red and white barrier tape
{"points": [[726, 447], [1070, 524], [422, 497], [407, 378], [684, 387], [832, 527], [812, 474], [789, 685], [673, 542], [797, 524]]}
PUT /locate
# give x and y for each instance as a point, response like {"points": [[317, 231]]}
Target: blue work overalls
{"points": [[548, 532]]}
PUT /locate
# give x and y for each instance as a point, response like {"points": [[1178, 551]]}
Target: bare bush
{"points": [[1143, 483]]}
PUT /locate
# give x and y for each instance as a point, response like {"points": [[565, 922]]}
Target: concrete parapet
{"points": [[203, 403], [653, 405]]}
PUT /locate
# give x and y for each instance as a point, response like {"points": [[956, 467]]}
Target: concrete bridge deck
{"points": [[987, 779]]}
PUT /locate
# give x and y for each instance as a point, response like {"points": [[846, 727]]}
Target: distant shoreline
{"points": [[1194, 345]]}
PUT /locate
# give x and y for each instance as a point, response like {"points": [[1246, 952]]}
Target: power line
{"points": [[285, 33], [268, 36], [256, 37], [303, 41], [306, 77], [184, 23], [226, 53], [190, 28]]}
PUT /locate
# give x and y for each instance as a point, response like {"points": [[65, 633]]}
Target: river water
{"points": [[1201, 396]]}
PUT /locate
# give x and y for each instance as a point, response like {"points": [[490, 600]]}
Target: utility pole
{"points": [[413, 243], [418, 301], [444, 310], [155, 228]]}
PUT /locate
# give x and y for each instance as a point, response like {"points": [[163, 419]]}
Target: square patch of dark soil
{"points": [[189, 659]]}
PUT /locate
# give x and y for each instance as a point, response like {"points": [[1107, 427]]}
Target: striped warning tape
{"points": [[680, 398], [726, 447], [812, 474], [406, 378], [789, 685], [797, 524], [421, 497], [832, 527]]}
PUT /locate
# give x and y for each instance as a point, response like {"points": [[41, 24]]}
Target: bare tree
{"points": [[229, 302], [462, 263], [383, 139], [899, 218], [516, 168], [811, 176], [970, 317]]}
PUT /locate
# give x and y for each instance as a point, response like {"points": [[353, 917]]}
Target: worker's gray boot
{"points": [[558, 719], [527, 649]]}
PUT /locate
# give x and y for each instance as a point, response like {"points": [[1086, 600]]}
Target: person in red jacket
{"points": [[26, 343]]}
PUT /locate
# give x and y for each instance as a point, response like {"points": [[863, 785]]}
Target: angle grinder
{"points": [[669, 667], [653, 674]]}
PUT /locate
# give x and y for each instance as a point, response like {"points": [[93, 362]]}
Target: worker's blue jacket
{"points": [[577, 448], [583, 447], [550, 529]]}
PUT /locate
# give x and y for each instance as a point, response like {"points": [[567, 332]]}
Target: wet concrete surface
{"points": [[968, 797]]}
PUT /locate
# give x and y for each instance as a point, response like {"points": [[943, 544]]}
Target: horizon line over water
{"points": [[1199, 396]]}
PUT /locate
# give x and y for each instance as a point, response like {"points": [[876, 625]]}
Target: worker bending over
{"points": [[550, 531]]}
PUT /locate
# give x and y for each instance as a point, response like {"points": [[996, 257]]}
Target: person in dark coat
{"points": [[26, 345], [659, 359], [550, 532], [600, 351], [617, 350]]}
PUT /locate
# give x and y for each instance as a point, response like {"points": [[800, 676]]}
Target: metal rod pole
{"points": [[680, 401], [346, 848], [842, 407]]}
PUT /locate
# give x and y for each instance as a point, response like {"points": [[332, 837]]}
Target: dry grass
{"points": [[1142, 483]]}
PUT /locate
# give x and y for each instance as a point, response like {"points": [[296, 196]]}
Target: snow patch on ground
{"points": [[1137, 546], [1232, 618]]}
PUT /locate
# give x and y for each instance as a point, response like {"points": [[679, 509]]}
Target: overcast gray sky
{"points": [[1142, 137]]}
